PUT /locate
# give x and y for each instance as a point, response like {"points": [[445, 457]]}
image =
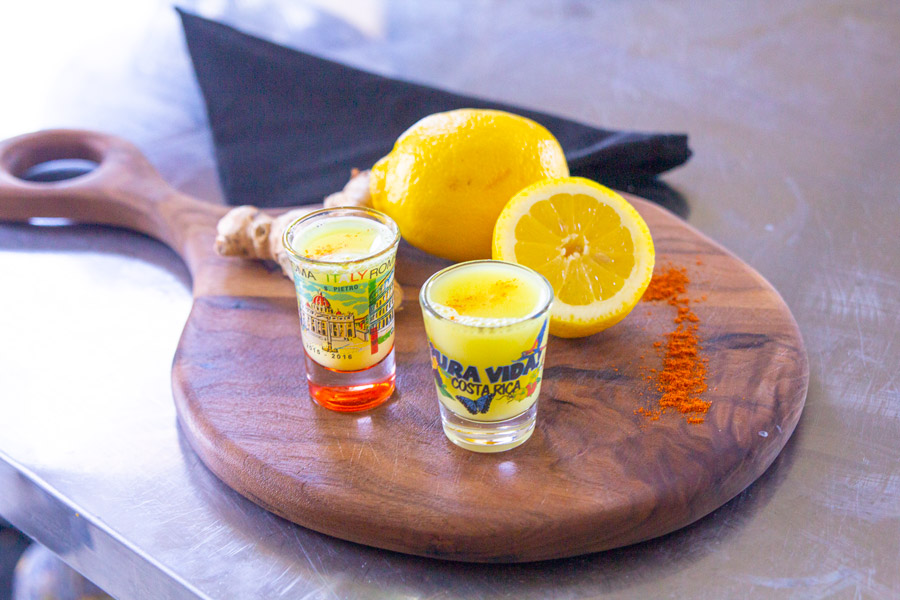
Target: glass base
{"points": [[488, 436], [350, 391]]}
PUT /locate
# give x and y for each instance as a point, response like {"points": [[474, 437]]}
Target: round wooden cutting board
{"points": [[595, 475]]}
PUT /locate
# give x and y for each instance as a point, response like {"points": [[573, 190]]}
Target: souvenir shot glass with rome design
{"points": [[343, 266], [486, 323]]}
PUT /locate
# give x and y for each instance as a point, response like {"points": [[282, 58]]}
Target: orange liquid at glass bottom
{"points": [[351, 391]]}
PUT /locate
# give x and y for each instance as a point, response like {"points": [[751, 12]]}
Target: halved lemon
{"points": [[588, 241]]}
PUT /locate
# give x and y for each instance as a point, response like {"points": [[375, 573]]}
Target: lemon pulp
{"points": [[578, 244], [588, 241]]}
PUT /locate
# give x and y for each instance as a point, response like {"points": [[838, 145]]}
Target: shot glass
{"points": [[343, 265], [486, 323]]}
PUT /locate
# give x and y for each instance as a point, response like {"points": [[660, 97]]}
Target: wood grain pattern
{"points": [[593, 476]]}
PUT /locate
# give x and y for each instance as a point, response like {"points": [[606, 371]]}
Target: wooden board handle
{"points": [[124, 190]]}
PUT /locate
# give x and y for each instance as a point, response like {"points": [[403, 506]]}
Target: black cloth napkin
{"points": [[288, 127]]}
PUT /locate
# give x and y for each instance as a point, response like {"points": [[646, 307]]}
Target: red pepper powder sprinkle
{"points": [[682, 379], [327, 249], [497, 293]]}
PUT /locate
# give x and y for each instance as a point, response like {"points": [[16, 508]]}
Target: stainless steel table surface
{"points": [[793, 108]]}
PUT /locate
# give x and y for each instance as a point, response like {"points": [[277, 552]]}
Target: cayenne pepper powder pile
{"points": [[682, 379]]}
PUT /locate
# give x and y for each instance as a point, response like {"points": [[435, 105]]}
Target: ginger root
{"points": [[247, 232]]}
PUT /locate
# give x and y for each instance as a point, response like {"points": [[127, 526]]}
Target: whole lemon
{"points": [[449, 176]]}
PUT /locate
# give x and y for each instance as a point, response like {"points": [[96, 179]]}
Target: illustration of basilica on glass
{"points": [[339, 330]]}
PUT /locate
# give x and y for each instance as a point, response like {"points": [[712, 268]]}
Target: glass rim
{"points": [[371, 212], [426, 304]]}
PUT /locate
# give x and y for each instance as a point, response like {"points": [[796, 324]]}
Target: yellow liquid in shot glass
{"points": [[346, 303], [342, 239], [487, 354]]}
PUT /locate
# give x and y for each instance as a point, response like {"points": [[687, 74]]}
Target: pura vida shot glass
{"points": [[486, 323], [343, 266]]}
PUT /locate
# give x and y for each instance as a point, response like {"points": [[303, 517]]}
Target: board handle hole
{"points": [[60, 169], [49, 157]]}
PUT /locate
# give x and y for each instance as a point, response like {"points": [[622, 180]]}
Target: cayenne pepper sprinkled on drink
{"points": [[498, 292], [327, 249], [683, 377]]}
